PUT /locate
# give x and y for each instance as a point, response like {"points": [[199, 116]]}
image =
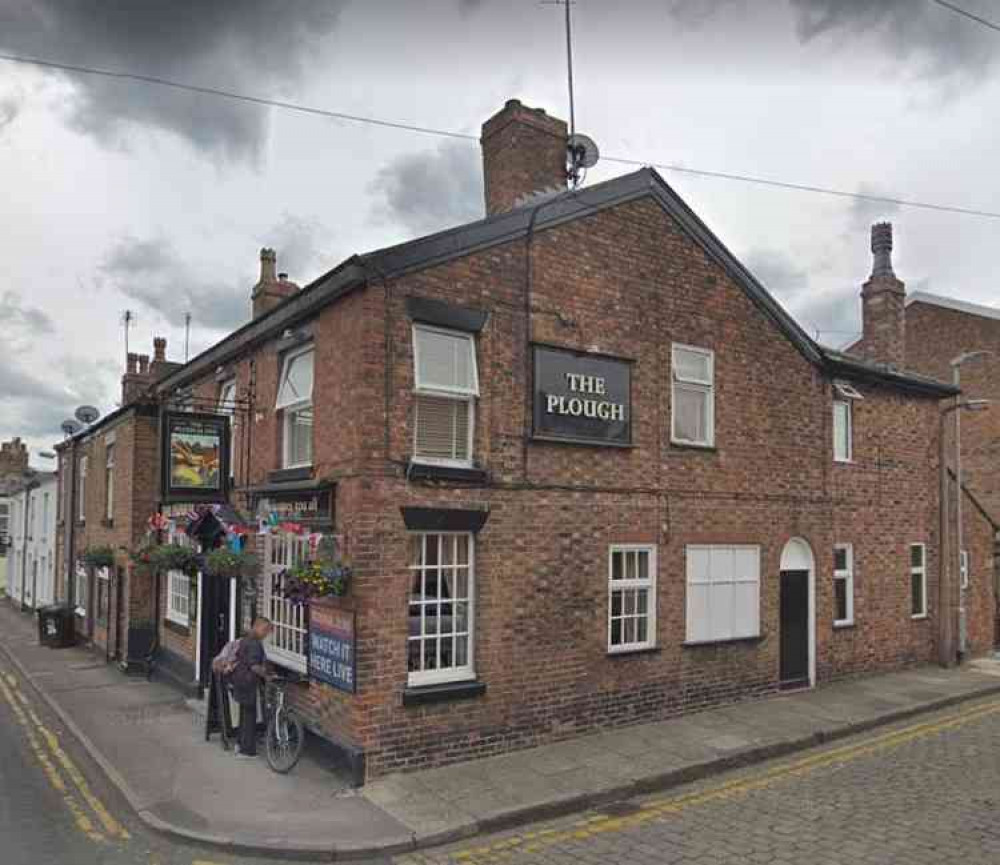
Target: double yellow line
{"points": [[89, 814], [657, 809]]}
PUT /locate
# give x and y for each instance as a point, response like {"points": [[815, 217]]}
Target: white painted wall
{"points": [[31, 559]]}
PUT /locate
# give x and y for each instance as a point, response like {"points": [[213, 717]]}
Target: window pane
{"points": [[841, 431], [692, 365], [299, 431], [616, 632], [641, 630], [616, 602], [840, 599], [442, 428], [840, 559], [461, 651], [296, 379], [690, 414], [413, 657], [616, 566], [917, 594], [917, 555], [445, 361]]}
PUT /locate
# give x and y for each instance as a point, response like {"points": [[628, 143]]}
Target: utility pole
{"points": [[187, 335]]}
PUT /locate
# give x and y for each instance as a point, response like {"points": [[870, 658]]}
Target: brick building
{"points": [[586, 470]]}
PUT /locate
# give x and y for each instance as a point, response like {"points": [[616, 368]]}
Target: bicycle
{"points": [[286, 734]]}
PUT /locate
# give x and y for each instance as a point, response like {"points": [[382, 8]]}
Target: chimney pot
{"points": [[143, 364], [883, 305], [268, 262], [159, 349], [131, 362], [283, 277], [882, 249]]}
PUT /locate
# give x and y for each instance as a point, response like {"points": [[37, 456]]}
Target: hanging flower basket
{"points": [[226, 563], [171, 557], [144, 560], [98, 557], [324, 575]]}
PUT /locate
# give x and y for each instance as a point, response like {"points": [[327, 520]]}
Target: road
{"points": [[925, 791]]}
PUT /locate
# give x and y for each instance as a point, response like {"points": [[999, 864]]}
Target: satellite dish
{"points": [[583, 152], [87, 414], [71, 427]]}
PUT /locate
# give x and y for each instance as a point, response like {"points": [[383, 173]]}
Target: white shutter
{"points": [[442, 428]]}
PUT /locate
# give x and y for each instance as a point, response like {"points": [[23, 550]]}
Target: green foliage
{"points": [[101, 556], [224, 562]]}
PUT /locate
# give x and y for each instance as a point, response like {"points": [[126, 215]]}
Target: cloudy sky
{"points": [[122, 195]]}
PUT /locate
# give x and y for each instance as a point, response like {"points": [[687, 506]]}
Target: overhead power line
{"points": [[967, 14], [446, 133]]}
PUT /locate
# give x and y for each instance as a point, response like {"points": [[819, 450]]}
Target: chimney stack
{"points": [[159, 349], [524, 153], [140, 373], [271, 288], [883, 310]]}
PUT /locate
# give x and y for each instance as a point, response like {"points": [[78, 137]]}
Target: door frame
{"points": [[797, 555]]}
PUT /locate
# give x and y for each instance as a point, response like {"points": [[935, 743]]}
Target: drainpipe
{"points": [[24, 543], [69, 534], [946, 653]]}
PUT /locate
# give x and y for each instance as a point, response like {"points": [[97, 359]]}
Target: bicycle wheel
{"points": [[285, 739]]}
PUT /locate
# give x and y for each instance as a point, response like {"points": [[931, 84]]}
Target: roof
{"points": [[952, 303], [520, 222]]}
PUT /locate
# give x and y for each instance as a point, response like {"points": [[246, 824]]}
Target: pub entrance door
{"points": [[218, 620]]}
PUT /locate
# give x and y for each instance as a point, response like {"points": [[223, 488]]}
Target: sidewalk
{"points": [[152, 747]]}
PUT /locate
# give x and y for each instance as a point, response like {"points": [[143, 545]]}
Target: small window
{"points": [[963, 568], [82, 489], [295, 403], [447, 383], [109, 483], [918, 581], [693, 396], [82, 583], [227, 406], [842, 431], [441, 610], [723, 593], [227, 397], [843, 585], [101, 585], [178, 597], [631, 598]]}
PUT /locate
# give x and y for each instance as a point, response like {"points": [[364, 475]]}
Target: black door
{"points": [[214, 622], [794, 629]]}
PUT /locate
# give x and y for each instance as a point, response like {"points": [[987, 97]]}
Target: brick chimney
{"points": [[140, 373], [13, 458], [524, 153], [271, 288], [883, 312]]}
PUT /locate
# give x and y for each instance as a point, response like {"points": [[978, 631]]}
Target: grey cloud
{"points": [[779, 274], [9, 109], [17, 318], [694, 13], [432, 190], [863, 213], [303, 247], [240, 45], [944, 42], [153, 274]]}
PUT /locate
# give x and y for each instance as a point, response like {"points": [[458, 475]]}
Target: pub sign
{"points": [[581, 397], [195, 457]]}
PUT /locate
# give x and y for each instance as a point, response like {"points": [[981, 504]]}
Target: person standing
{"points": [[251, 667]]}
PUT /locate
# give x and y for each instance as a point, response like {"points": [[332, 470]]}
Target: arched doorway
{"points": [[797, 615]]}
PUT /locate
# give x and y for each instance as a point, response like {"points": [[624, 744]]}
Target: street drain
{"points": [[619, 809]]}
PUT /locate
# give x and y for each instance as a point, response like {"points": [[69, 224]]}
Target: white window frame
{"points": [[178, 586], [702, 386], [109, 481], [292, 407], [691, 582], [287, 645], [467, 671], [849, 420], [82, 578], [963, 568], [921, 572], [227, 406], [458, 394], [82, 490], [624, 585], [847, 575]]}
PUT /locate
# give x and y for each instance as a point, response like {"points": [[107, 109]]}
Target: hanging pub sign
{"points": [[332, 656], [195, 457], [581, 397]]}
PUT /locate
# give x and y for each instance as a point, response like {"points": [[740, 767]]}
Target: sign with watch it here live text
{"points": [[332, 657], [581, 397]]}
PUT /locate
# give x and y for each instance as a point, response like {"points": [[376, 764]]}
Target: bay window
{"points": [[447, 384], [692, 399], [723, 593], [441, 609], [295, 404]]}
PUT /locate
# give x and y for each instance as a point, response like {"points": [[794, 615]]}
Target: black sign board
{"points": [[313, 508], [581, 397], [194, 454]]}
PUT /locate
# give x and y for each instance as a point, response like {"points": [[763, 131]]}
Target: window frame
{"points": [[649, 583], [290, 409], [847, 575], [963, 568], [918, 571], [82, 597], [109, 481], [691, 639], [82, 467], [467, 671], [467, 395], [679, 382], [173, 614], [849, 415], [290, 622]]}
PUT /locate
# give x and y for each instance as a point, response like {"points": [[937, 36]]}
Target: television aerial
{"points": [[71, 427], [581, 154], [87, 414]]}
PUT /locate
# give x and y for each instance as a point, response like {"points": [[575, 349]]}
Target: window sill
{"points": [[418, 695], [837, 462], [843, 626], [920, 617], [416, 470], [694, 446], [177, 628], [639, 650], [702, 644], [291, 473]]}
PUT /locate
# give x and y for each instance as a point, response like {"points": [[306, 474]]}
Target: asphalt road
{"points": [[926, 792]]}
